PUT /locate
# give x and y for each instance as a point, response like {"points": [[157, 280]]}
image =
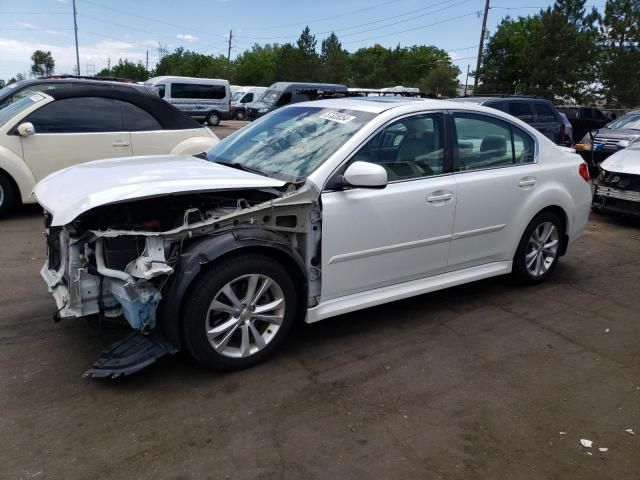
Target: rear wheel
{"points": [[539, 249], [7, 196], [239, 312], [213, 119]]}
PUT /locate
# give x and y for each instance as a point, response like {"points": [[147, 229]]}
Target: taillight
{"points": [[583, 170]]}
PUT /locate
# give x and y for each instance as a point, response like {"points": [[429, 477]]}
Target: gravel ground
{"points": [[475, 382]]}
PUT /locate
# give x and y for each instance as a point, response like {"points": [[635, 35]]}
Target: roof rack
{"points": [[503, 95]]}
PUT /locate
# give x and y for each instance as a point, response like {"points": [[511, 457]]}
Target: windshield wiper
{"points": [[239, 166]]}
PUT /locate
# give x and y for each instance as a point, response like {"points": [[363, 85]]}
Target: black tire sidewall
{"points": [[205, 287], [9, 196], [213, 115], [240, 115], [519, 270]]}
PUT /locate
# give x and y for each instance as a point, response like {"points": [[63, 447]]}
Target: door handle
{"points": [[439, 197], [120, 144], [527, 182]]}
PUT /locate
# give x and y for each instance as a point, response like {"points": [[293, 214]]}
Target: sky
{"points": [[110, 30]]}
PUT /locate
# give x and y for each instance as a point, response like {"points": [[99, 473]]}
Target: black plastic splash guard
{"points": [[129, 355]]}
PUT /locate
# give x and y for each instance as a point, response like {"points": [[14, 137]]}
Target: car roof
{"points": [[480, 100], [169, 117], [285, 85], [378, 104]]}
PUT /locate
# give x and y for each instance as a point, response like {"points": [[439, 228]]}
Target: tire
{"points": [[211, 316], [240, 114], [213, 119], [8, 196], [534, 260]]}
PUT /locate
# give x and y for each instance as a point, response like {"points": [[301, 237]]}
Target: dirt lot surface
{"points": [[476, 382]]}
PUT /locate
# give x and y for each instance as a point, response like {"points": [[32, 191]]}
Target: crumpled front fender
{"points": [[207, 249]]}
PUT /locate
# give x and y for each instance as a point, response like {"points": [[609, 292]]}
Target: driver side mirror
{"points": [[26, 129], [365, 175]]}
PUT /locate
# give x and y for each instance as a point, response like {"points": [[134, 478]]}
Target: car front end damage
{"points": [[117, 261], [617, 193]]}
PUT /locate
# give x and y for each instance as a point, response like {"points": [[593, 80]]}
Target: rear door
{"points": [[75, 130], [496, 172]]}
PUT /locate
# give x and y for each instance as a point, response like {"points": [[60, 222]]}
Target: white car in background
{"points": [[45, 132], [314, 210]]}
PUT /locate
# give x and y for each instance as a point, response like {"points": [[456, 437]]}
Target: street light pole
{"points": [[482, 34], [75, 28]]}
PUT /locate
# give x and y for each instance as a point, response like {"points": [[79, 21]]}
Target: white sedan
{"points": [[315, 210], [45, 132]]}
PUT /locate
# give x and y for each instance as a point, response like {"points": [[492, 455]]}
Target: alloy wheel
{"points": [[542, 249], [245, 316]]}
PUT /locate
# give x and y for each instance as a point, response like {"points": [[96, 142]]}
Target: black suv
{"points": [[537, 112], [583, 120]]}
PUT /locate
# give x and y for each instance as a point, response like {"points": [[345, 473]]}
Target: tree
{"points": [[334, 60], [43, 63], [191, 64], [308, 59], [126, 69], [442, 81], [257, 66], [620, 68]]}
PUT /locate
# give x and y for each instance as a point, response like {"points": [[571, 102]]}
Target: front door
{"points": [[74, 130], [377, 237]]}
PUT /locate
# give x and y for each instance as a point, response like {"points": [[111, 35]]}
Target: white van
{"points": [[207, 99], [242, 97]]}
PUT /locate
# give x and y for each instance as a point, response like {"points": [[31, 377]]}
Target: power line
{"points": [[374, 21], [415, 28]]}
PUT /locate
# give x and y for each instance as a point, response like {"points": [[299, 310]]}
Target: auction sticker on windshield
{"points": [[337, 117], [36, 97]]}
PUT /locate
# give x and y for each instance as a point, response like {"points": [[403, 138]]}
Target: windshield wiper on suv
{"points": [[239, 166]]}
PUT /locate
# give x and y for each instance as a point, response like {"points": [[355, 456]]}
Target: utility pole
{"points": [[109, 65], [466, 80], [75, 28], [229, 51], [147, 62], [482, 34]]}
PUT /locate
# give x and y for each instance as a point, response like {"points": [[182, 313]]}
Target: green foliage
{"points": [[43, 63], [334, 60], [191, 64], [257, 66], [126, 69], [566, 52]]}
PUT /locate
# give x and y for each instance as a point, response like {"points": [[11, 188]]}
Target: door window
{"points": [[544, 113], [409, 148], [138, 120], [284, 99], [485, 142], [161, 90], [78, 115], [521, 110], [198, 91], [247, 98]]}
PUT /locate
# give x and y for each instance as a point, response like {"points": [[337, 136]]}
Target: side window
{"points": [[78, 115], [198, 91], [284, 99], [301, 97], [409, 148], [599, 115], [523, 146], [161, 90], [138, 120], [482, 142], [544, 113], [496, 105], [521, 110], [247, 98], [587, 113]]}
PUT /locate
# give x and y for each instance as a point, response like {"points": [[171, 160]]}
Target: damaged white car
{"points": [[315, 210]]}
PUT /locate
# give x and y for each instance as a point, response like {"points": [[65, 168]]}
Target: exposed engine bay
{"points": [[115, 260]]}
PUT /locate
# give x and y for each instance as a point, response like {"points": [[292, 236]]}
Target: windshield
{"points": [[238, 95], [291, 142], [270, 96], [630, 120], [13, 109]]}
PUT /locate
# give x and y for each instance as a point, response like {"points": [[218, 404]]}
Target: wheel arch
{"points": [[561, 213], [202, 254], [18, 173]]}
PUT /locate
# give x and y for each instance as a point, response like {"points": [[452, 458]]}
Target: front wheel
{"points": [[539, 249], [7, 196], [239, 312], [213, 119], [240, 114]]}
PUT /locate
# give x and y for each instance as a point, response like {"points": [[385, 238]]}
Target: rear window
{"points": [[544, 113], [193, 90], [520, 110]]}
